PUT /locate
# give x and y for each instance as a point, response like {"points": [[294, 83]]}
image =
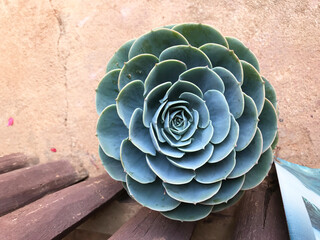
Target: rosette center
{"points": [[176, 119], [180, 119]]}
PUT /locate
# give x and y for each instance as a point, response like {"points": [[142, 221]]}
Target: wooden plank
{"points": [[148, 224], [20, 187], [15, 161], [56, 214], [261, 214]]}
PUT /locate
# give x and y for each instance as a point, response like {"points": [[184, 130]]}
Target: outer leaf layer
{"points": [[188, 212], [107, 90], [112, 166], [120, 57], [111, 131], [199, 34], [137, 68], [156, 41], [134, 163], [151, 195]]}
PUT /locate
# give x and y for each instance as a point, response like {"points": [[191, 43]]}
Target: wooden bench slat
{"points": [[15, 161], [56, 214], [261, 214], [148, 224], [20, 187]]}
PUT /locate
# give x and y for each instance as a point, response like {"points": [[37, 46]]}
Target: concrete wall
{"points": [[53, 55]]}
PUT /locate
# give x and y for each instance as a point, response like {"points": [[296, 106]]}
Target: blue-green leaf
{"points": [[219, 115], [253, 85], [180, 87], [172, 142], [214, 172], [169, 105], [112, 166], [164, 148], [200, 139], [204, 78], [156, 41], [248, 123], [197, 104], [256, 175], [198, 34], [270, 92], [194, 126], [191, 56], [243, 52], [193, 160], [120, 57], [268, 124], [152, 102], [107, 90], [228, 190], [135, 164], [157, 124], [233, 91], [232, 201], [137, 68], [247, 158], [111, 131], [139, 134], [151, 195], [129, 98], [157, 129], [221, 56], [223, 149], [166, 71], [168, 172], [188, 212], [192, 192]]}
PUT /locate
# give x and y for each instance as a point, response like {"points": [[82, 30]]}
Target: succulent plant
{"points": [[186, 120]]}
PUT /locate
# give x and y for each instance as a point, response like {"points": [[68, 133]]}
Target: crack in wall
{"points": [[62, 57]]}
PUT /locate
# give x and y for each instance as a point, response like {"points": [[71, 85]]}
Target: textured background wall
{"points": [[53, 54]]}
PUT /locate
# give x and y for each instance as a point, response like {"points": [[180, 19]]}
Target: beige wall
{"points": [[53, 54]]}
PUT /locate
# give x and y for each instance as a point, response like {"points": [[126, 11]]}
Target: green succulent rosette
{"points": [[186, 121]]}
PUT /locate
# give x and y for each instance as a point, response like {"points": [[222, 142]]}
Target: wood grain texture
{"points": [[54, 215], [148, 224], [15, 161], [260, 214], [20, 187]]}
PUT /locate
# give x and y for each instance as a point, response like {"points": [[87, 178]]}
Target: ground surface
{"points": [[54, 53]]}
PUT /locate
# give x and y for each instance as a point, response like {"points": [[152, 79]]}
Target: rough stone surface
{"points": [[54, 53]]}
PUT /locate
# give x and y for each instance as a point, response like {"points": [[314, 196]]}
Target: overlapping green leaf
{"points": [[120, 57], [191, 56], [107, 90], [188, 212], [137, 68], [199, 34], [151, 195], [133, 160], [156, 41], [192, 192], [221, 56], [111, 131]]}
